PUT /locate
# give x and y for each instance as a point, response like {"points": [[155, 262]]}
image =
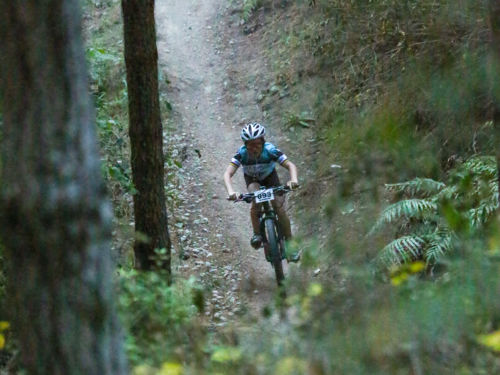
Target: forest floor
{"points": [[215, 75]]}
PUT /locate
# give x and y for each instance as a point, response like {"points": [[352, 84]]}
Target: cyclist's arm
{"points": [[228, 174], [292, 169], [282, 159]]}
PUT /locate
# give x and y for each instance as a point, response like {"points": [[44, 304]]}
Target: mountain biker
{"points": [[258, 159]]}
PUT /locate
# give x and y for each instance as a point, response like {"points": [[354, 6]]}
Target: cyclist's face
{"points": [[254, 146]]}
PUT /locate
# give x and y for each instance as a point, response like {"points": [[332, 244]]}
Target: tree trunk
{"points": [[146, 135], [55, 221], [494, 21]]}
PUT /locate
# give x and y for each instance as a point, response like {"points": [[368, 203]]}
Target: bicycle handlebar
{"points": [[249, 197]]}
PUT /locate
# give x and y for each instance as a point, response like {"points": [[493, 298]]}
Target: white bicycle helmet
{"points": [[252, 131]]}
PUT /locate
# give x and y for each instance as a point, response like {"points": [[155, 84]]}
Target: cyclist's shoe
{"points": [[256, 241], [293, 257]]}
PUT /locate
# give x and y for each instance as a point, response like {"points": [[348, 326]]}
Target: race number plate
{"points": [[264, 195]]}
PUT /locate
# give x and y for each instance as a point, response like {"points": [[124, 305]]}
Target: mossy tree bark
{"points": [[55, 220], [146, 135]]}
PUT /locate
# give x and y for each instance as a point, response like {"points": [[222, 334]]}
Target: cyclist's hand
{"points": [[233, 196], [292, 185]]}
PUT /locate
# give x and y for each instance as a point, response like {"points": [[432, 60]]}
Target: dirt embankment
{"points": [[213, 67]]}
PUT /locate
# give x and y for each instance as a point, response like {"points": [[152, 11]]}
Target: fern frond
{"points": [[480, 215], [493, 187], [448, 193], [486, 190], [402, 250], [481, 165], [424, 186], [438, 244], [409, 208], [248, 7], [472, 189]]}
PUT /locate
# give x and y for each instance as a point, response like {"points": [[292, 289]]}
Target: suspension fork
{"points": [[266, 212]]}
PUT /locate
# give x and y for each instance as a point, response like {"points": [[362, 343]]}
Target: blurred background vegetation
{"points": [[407, 108], [397, 102]]}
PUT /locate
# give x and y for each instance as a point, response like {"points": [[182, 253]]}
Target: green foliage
{"points": [[392, 80], [303, 120], [351, 324], [226, 354], [410, 209], [421, 186], [100, 61], [248, 8], [122, 176], [361, 43], [438, 244], [404, 249], [466, 203], [369, 327], [109, 90], [157, 317]]}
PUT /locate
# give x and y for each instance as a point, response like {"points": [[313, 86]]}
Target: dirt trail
{"points": [[197, 54]]}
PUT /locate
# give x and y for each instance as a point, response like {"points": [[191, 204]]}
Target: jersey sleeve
{"points": [[236, 159], [277, 154]]}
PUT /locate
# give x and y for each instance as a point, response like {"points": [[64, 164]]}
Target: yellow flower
{"points": [[399, 274], [491, 340], [171, 368], [416, 267], [291, 365], [143, 370], [314, 290], [399, 279], [226, 354]]}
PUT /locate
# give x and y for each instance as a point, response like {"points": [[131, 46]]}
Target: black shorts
{"points": [[270, 181]]}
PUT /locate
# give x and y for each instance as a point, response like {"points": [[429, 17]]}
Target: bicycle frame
{"points": [[273, 241]]}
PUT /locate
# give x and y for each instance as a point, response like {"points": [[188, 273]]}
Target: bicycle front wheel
{"points": [[272, 239]]}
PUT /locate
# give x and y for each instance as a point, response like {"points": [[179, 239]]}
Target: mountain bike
{"points": [[272, 238]]}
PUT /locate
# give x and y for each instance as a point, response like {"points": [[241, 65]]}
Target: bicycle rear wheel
{"points": [[272, 239]]}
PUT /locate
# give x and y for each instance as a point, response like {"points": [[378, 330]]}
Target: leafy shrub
{"points": [[248, 7], [109, 90], [100, 61], [429, 220], [157, 317]]}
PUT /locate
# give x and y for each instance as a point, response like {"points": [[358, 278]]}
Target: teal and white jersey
{"points": [[263, 165]]}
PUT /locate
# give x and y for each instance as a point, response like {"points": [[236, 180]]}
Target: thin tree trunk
{"points": [[146, 135], [494, 20], [55, 220]]}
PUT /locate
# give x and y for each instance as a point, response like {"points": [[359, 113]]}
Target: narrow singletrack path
{"points": [[196, 52]]}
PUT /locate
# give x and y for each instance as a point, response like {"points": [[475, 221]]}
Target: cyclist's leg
{"points": [[255, 208], [284, 223], [279, 206], [252, 186]]}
